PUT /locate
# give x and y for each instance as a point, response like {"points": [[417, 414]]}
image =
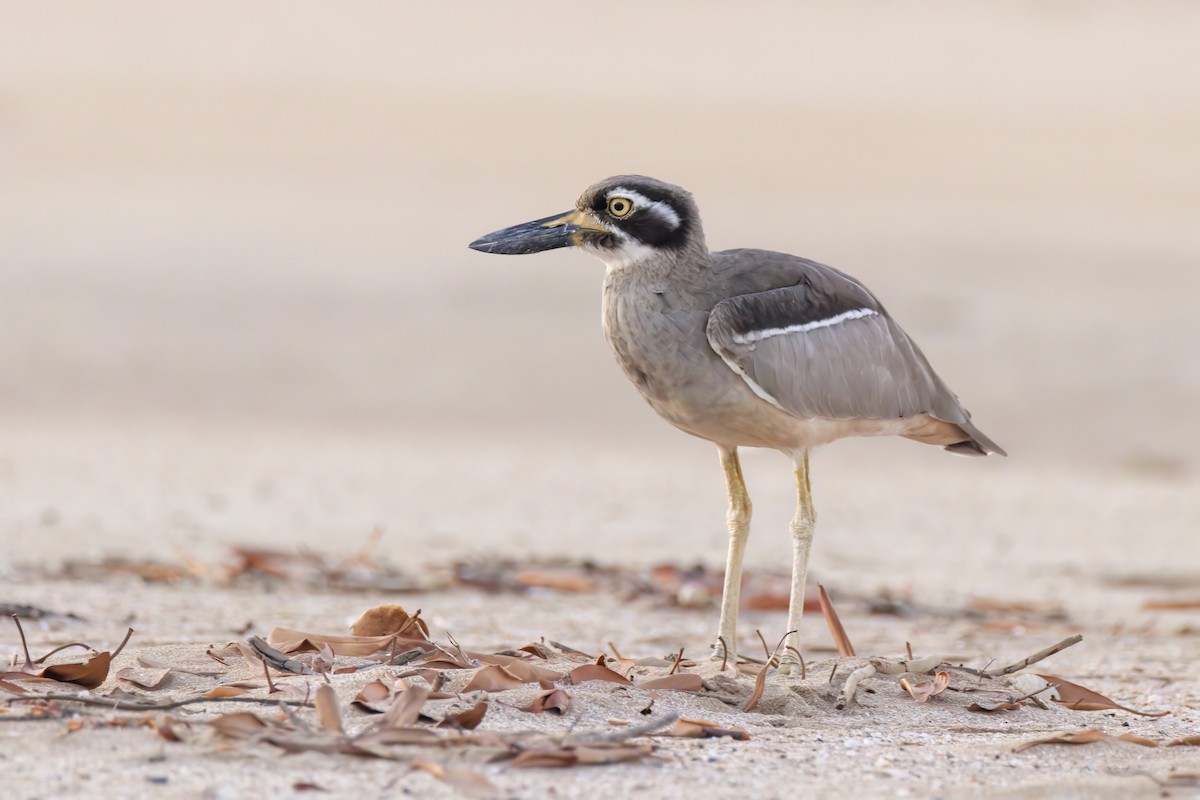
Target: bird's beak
{"points": [[564, 230]]}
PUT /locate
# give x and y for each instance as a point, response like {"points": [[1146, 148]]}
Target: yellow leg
{"points": [[725, 648], [802, 537]]}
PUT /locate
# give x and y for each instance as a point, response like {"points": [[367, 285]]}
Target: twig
{"points": [[678, 659], [724, 652], [125, 641], [125, 705], [766, 649], [626, 734], [24, 644], [844, 647], [1036, 657], [616, 652], [846, 696]]}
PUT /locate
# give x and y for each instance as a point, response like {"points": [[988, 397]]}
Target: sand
{"points": [[238, 310]]}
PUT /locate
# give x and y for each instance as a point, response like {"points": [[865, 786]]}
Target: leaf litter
{"points": [[390, 716]]}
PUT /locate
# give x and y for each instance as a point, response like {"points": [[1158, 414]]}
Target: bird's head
{"points": [[621, 220]]}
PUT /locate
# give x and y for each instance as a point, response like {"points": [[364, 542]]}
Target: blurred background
{"points": [[236, 302]]}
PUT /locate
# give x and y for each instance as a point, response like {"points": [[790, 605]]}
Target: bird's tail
{"points": [[977, 444]]}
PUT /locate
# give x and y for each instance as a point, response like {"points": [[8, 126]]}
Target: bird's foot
{"points": [[791, 667]]}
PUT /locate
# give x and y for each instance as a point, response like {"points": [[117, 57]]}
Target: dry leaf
{"points": [[1077, 698], [170, 728], [468, 719], [373, 697], [519, 667], [558, 581], [493, 678], [145, 678], [464, 780], [1186, 741], [239, 725], [1089, 736], [406, 707], [329, 712], [702, 729], [88, 674], [597, 672], [760, 685], [291, 641], [226, 690], [590, 754], [924, 690], [679, 682], [1171, 605], [388, 620], [554, 701], [840, 638], [989, 708]]}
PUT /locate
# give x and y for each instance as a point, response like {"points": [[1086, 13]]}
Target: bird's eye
{"points": [[620, 206]]}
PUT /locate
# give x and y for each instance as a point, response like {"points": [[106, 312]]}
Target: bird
{"points": [[747, 348]]}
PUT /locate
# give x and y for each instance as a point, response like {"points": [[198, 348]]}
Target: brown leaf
{"points": [[989, 708], [226, 690], [555, 701], [493, 678], [530, 673], [767, 601], [597, 672], [373, 697], [1171, 605], [1186, 741], [329, 712], [1077, 698], [679, 682], [88, 674], [239, 725], [145, 678], [291, 641], [406, 707], [592, 754], [170, 728], [840, 638], [558, 581], [924, 690], [760, 685], [702, 729], [1089, 736], [388, 620], [464, 780], [468, 719]]}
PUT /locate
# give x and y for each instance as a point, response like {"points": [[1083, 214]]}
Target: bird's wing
{"points": [[816, 343]]}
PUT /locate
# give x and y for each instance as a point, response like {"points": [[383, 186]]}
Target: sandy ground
{"points": [[237, 309]]}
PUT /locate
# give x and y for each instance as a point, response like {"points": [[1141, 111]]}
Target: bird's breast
{"points": [[658, 338]]}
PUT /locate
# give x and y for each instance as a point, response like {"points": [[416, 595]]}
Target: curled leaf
{"points": [[679, 682], [597, 672], [702, 729], [1089, 736], [921, 692], [493, 678], [554, 701], [390, 620], [1078, 698]]}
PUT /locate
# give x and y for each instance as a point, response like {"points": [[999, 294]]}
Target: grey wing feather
{"points": [[863, 365]]}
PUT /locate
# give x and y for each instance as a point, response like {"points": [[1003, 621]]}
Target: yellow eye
{"points": [[620, 206]]}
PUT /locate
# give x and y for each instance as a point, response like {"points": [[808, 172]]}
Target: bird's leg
{"points": [[738, 517], [802, 536]]}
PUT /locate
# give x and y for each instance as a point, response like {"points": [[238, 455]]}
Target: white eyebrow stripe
{"points": [[664, 210], [757, 336]]}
